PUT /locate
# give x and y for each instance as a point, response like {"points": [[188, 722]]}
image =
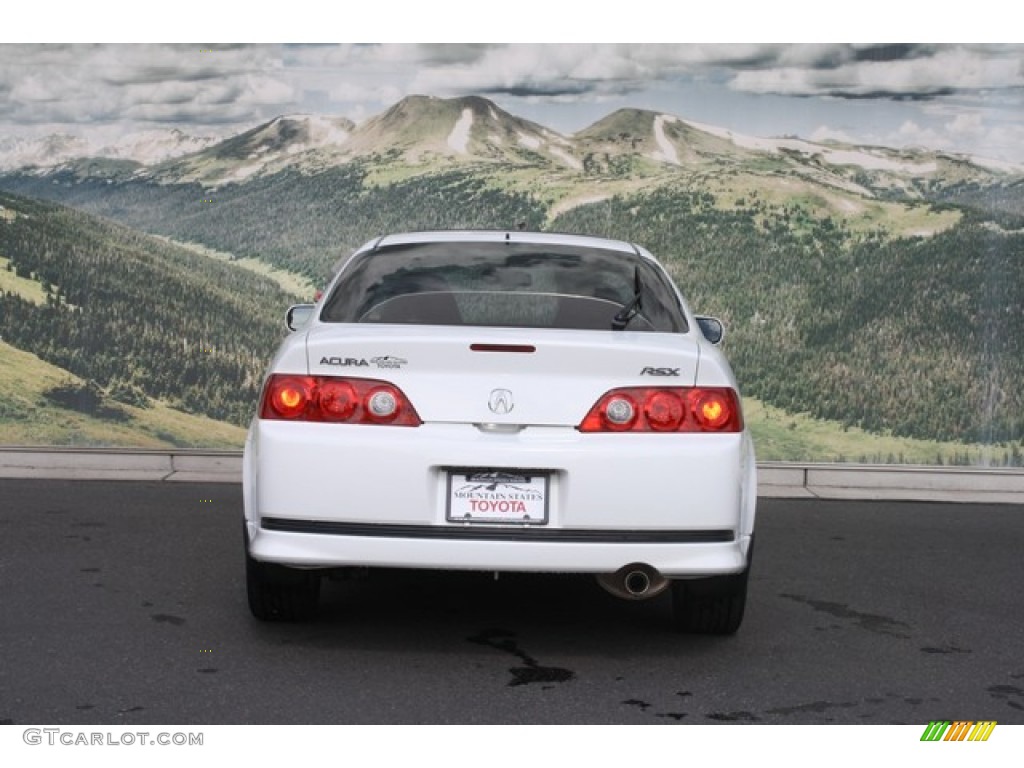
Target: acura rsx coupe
{"points": [[499, 402]]}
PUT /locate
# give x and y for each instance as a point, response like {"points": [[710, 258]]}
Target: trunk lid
{"points": [[472, 375]]}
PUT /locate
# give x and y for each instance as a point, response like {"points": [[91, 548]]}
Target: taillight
{"points": [[289, 397], [714, 409], [339, 400], [665, 409]]}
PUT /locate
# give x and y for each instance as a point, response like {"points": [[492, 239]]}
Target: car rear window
{"points": [[503, 285]]}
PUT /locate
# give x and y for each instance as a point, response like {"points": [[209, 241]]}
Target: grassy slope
{"points": [[26, 418], [783, 436], [779, 435], [22, 286], [561, 190], [299, 286]]}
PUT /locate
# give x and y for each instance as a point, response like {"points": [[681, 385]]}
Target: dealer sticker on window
{"points": [[497, 496]]}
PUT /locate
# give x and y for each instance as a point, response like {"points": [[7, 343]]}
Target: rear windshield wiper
{"points": [[632, 309]]}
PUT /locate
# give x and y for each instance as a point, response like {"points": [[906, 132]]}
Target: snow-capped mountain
{"points": [[46, 152], [469, 128], [267, 148], [155, 146], [418, 130], [661, 141], [425, 133], [55, 150]]}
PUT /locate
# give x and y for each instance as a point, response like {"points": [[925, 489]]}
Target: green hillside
{"points": [[919, 336], [872, 300], [294, 221], [29, 417], [783, 436], [134, 314]]}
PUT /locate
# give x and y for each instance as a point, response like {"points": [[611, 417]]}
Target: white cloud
{"points": [[966, 134], [910, 134], [357, 91], [966, 125], [940, 70], [951, 95], [86, 84], [824, 133]]}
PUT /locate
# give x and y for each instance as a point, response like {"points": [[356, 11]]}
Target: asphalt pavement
{"points": [[123, 603]]}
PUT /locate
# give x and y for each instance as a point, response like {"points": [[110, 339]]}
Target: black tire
{"points": [[279, 593], [712, 605]]}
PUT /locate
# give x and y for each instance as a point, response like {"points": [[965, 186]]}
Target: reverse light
{"points": [[665, 409], [338, 400], [620, 413], [382, 404]]}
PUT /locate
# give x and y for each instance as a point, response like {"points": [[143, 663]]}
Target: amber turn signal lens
{"points": [[713, 411], [288, 396]]}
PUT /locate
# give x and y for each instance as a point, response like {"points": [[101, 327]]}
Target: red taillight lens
{"points": [[666, 409], [288, 397], [339, 400]]}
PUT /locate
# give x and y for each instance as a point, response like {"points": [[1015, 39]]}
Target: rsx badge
{"points": [[648, 371]]}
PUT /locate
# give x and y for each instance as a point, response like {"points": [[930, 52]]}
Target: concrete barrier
{"points": [[121, 464], [775, 479], [891, 483]]}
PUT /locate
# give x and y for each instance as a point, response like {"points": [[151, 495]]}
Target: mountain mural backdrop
{"points": [[874, 297]]}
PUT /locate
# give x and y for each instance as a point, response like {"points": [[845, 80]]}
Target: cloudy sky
{"points": [[958, 97]]}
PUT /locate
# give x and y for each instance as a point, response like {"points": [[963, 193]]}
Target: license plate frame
{"points": [[490, 496]]}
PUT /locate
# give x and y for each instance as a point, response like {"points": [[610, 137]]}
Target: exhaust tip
{"points": [[636, 581]]}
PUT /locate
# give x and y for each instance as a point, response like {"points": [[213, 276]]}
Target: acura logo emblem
{"points": [[500, 401]]}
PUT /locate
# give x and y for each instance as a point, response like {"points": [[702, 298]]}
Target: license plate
{"points": [[497, 496]]}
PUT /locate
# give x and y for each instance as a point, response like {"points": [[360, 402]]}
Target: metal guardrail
{"points": [[775, 479]]}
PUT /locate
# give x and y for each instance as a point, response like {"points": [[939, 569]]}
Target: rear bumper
{"points": [[336, 495], [326, 551]]}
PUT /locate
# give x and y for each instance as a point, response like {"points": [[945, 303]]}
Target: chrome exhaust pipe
{"points": [[636, 581]]}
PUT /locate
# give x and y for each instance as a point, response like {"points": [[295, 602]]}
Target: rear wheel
{"points": [[712, 605], [279, 593]]}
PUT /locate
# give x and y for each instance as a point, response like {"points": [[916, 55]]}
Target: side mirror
{"points": [[298, 315], [712, 329]]}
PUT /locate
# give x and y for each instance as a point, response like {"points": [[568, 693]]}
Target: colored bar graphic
{"points": [[958, 730], [982, 730], [935, 730]]}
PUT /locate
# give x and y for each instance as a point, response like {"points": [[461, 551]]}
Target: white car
{"points": [[502, 401]]}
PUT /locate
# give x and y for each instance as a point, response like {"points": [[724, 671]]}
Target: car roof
{"points": [[496, 236]]}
